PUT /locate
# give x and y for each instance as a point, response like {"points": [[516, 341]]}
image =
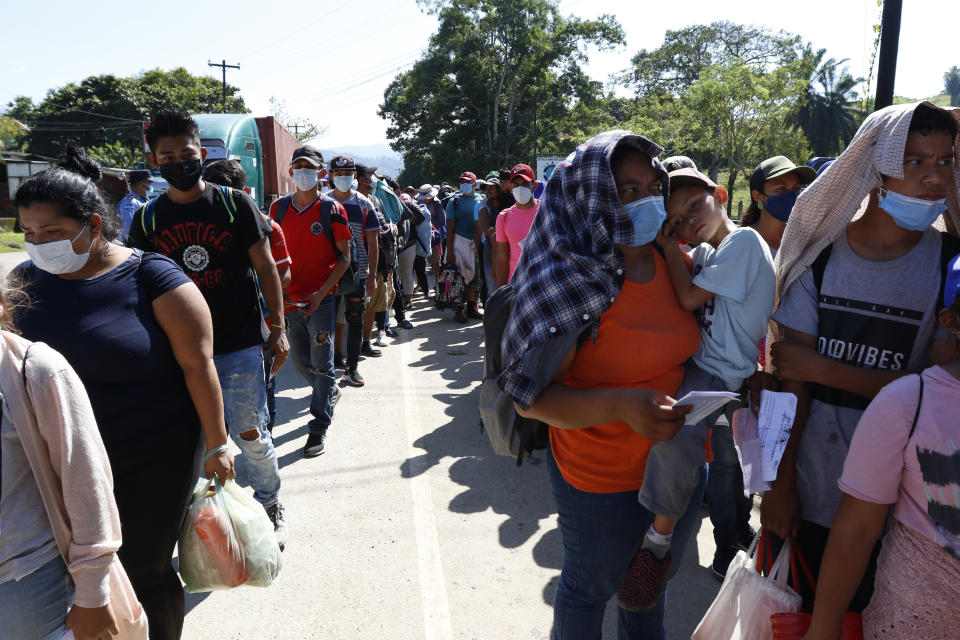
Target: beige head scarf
{"points": [[827, 206]]}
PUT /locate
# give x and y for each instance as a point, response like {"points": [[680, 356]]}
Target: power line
{"points": [[89, 113]]}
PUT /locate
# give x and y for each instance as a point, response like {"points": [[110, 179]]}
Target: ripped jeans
{"points": [[245, 411], [311, 349]]}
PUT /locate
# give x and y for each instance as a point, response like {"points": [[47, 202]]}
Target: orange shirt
{"points": [[643, 340]]}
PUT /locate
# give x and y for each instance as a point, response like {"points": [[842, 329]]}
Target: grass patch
{"points": [[741, 192], [7, 238]]}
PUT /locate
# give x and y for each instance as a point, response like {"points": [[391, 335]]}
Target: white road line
{"points": [[433, 584]]}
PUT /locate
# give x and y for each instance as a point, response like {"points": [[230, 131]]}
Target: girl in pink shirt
{"points": [[904, 453], [513, 224]]}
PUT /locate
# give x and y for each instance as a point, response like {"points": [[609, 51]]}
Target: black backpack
{"points": [[350, 280], [387, 247]]}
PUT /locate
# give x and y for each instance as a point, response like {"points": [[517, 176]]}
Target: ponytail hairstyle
{"points": [[71, 186]]}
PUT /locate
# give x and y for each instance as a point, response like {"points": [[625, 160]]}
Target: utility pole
{"points": [[889, 42], [296, 130], [224, 66]]}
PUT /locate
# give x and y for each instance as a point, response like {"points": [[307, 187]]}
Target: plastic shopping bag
{"points": [[747, 599], [227, 540]]}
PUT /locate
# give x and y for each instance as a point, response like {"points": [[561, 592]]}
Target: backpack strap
{"points": [[283, 204], [916, 414], [326, 219], [819, 267], [148, 218], [227, 197]]}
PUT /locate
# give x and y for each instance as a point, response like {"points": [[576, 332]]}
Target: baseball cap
{"points": [[427, 191], [364, 170], [308, 153], [688, 177], [342, 162], [137, 175], [467, 176], [495, 181], [778, 166], [951, 285], [524, 171], [678, 162]]}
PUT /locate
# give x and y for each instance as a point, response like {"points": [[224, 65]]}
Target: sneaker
{"points": [[405, 325], [642, 586], [381, 339], [721, 561], [275, 513], [339, 362], [461, 317], [336, 397], [353, 378], [391, 332], [314, 446], [369, 351]]}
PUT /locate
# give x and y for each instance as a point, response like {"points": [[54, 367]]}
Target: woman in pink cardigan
{"points": [[59, 528]]}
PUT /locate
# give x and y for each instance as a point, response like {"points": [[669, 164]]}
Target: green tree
{"points": [[500, 78], [740, 115], [11, 130], [679, 62], [829, 112], [951, 82], [107, 112]]}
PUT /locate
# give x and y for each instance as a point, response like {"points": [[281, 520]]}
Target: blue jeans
{"points": [[36, 607], [729, 508], [245, 410], [311, 349], [601, 534]]}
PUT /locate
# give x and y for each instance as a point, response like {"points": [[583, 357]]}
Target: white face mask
{"points": [[522, 194], [343, 183], [306, 179], [58, 257]]}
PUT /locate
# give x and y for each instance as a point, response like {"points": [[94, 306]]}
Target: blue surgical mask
{"points": [[466, 188], [780, 205], [912, 214], [647, 216]]}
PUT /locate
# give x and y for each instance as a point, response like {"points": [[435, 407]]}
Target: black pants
{"points": [[812, 540], [399, 305], [153, 487], [353, 314], [420, 270]]}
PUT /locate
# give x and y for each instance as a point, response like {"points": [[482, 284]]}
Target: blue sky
{"points": [[331, 61]]}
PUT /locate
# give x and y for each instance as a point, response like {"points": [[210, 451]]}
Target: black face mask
{"points": [[182, 175]]}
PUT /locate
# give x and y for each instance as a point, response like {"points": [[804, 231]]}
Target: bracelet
{"points": [[278, 326], [214, 452]]}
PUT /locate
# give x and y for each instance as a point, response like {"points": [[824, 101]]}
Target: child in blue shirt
{"points": [[732, 290]]}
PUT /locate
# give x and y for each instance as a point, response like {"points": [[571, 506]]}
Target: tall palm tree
{"points": [[951, 82], [828, 114]]}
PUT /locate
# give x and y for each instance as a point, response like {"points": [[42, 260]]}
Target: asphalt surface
{"points": [[409, 527]]}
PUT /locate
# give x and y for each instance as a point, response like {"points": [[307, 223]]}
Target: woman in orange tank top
{"points": [[589, 267]]}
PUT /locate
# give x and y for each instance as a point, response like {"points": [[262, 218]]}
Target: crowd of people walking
{"points": [[137, 342]]}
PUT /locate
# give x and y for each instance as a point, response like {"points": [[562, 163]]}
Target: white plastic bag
{"points": [[747, 599], [227, 540]]}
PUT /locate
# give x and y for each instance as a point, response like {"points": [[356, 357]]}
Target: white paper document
{"points": [[777, 411], [704, 403], [746, 438]]}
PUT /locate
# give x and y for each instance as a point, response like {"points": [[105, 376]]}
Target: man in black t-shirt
{"points": [[221, 241]]}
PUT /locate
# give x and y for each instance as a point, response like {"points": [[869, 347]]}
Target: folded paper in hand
{"points": [[704, 403], [760, 441]]}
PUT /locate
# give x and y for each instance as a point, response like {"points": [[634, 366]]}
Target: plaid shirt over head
{"points": [[570, 271]]}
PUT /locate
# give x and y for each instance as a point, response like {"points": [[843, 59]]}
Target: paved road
{"points": [[409, 527]]}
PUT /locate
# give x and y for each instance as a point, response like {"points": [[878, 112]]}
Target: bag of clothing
{"points": [[747, 599], [227, 540]]}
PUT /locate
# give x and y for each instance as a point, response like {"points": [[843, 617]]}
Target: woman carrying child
{"points": [[593, 287]]}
